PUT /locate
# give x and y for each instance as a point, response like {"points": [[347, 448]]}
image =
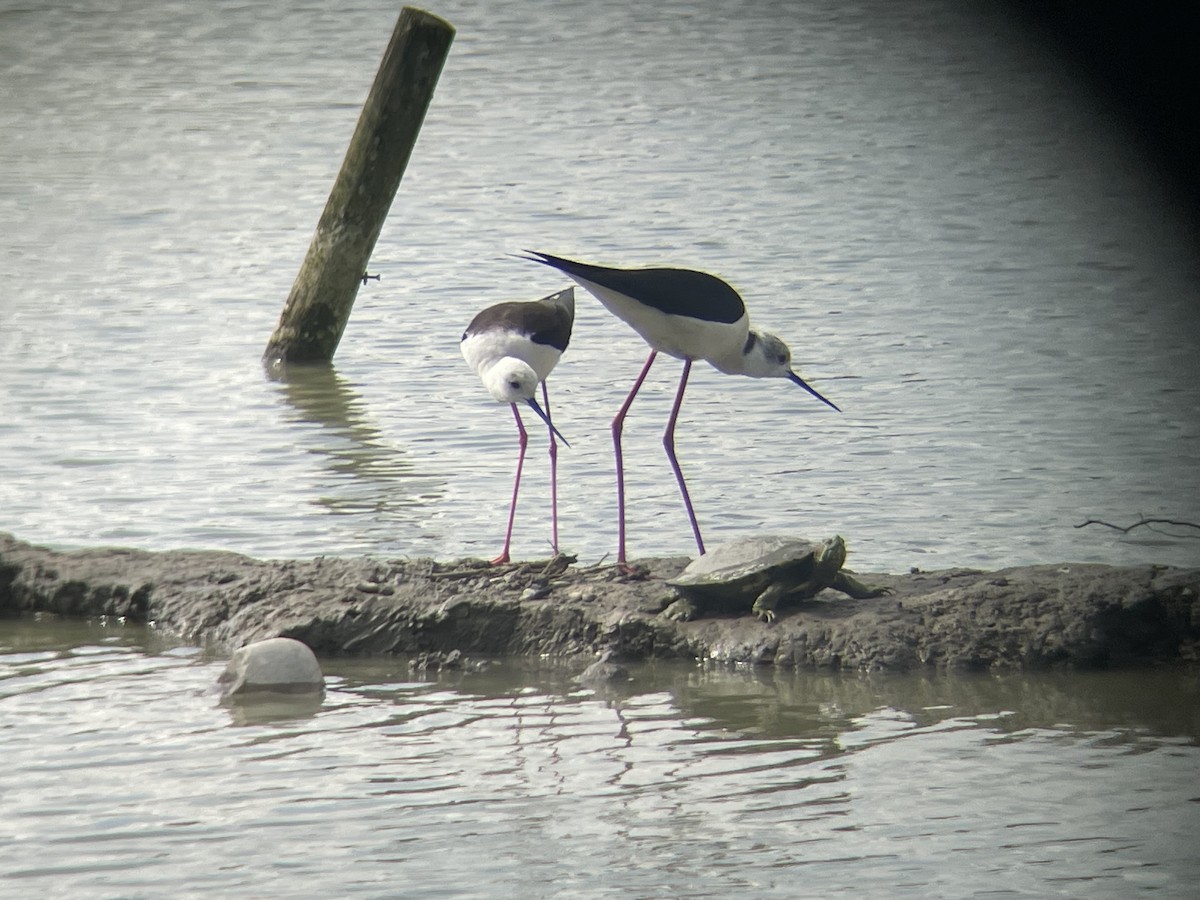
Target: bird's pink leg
{"points": [[512, 510], [669, 445], [617, 423], [553, 474]]}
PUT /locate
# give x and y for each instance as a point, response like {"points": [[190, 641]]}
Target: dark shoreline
{"points": [[1026, 618]]}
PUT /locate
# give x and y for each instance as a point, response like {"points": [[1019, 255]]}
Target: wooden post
{"points": [[323, 294]]}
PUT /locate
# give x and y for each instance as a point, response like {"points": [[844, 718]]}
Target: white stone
{"points": [[276, 665]]}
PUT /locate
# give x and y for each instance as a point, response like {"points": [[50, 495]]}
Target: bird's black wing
{"points": [[543, 323], [676, 292]]}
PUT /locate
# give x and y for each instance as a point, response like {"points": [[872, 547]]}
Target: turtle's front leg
{"points": [[848, 584], [765, 603]]}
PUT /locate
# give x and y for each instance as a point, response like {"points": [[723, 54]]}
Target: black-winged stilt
{"points": [[689, 315], [513, 347]]}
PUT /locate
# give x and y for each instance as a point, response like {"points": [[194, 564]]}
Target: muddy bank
{"points": [[958, 619]]}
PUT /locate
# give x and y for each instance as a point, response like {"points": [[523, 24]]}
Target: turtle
{"points": [[763, 571]]}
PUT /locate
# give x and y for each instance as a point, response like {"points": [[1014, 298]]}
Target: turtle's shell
{"points": [[740, 570]]}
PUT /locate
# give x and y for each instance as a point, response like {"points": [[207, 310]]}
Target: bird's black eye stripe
{"points": [[781, 359], [751, 338], [514, 384]]}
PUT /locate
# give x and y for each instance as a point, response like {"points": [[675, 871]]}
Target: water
{"points": [[123, 776], [965, 253]]}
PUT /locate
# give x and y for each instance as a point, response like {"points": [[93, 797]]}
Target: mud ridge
{"points": [[1032, 617]]}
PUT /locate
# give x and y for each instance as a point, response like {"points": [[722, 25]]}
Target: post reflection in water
{"points": [[373, 475]]}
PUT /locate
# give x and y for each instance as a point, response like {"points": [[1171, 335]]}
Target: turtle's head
{"points": [[766, 356], [831, 555]]}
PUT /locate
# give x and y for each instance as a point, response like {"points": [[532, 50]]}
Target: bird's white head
{"points": [[511, 380], [766, 356]]}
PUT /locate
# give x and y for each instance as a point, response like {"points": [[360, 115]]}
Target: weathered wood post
{"points": [[323, 294]]}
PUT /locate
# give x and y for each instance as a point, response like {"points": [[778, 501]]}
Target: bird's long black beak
{"points": [[545, 418], [804, 384]]}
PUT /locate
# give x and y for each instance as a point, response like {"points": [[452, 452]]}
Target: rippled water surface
{"points": [[965, 253], [123, 776]]}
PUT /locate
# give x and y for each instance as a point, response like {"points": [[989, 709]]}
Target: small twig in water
{"points": [[1125, 529]]}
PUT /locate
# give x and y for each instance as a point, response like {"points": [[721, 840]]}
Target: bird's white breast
{"points": [[486, 348]]}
